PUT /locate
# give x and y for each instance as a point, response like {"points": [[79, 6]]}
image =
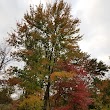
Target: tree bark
{"points": [[46, 97]]}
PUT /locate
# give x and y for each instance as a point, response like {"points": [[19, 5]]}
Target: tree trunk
{"points": [[46, 97]]}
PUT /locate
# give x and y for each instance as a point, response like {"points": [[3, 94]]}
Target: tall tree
{"points": [[45, 37]]}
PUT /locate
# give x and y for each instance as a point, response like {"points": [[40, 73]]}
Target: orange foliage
{"points": [[13, 81], [62, 74]]}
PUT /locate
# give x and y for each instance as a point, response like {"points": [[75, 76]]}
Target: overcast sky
{"points": [[94, 16]]}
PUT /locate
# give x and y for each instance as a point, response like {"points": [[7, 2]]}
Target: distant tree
{"points": [[101, 94], [96, 68], [4, 56]]}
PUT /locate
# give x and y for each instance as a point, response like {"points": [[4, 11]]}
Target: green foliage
{"points": [[5, 97], [96, 68]]}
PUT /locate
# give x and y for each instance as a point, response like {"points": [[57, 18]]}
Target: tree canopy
{"points": [[57, 75]]}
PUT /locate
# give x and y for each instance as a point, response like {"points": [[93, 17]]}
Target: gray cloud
{"points": [[10, 12], [94, 16]]}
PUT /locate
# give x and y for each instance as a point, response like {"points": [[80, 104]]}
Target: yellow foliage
{"points": [[44, 61], [62, 74], [33, 102]]}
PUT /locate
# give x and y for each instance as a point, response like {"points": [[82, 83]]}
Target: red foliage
{"points": [[66, 66], [72, 93]]}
